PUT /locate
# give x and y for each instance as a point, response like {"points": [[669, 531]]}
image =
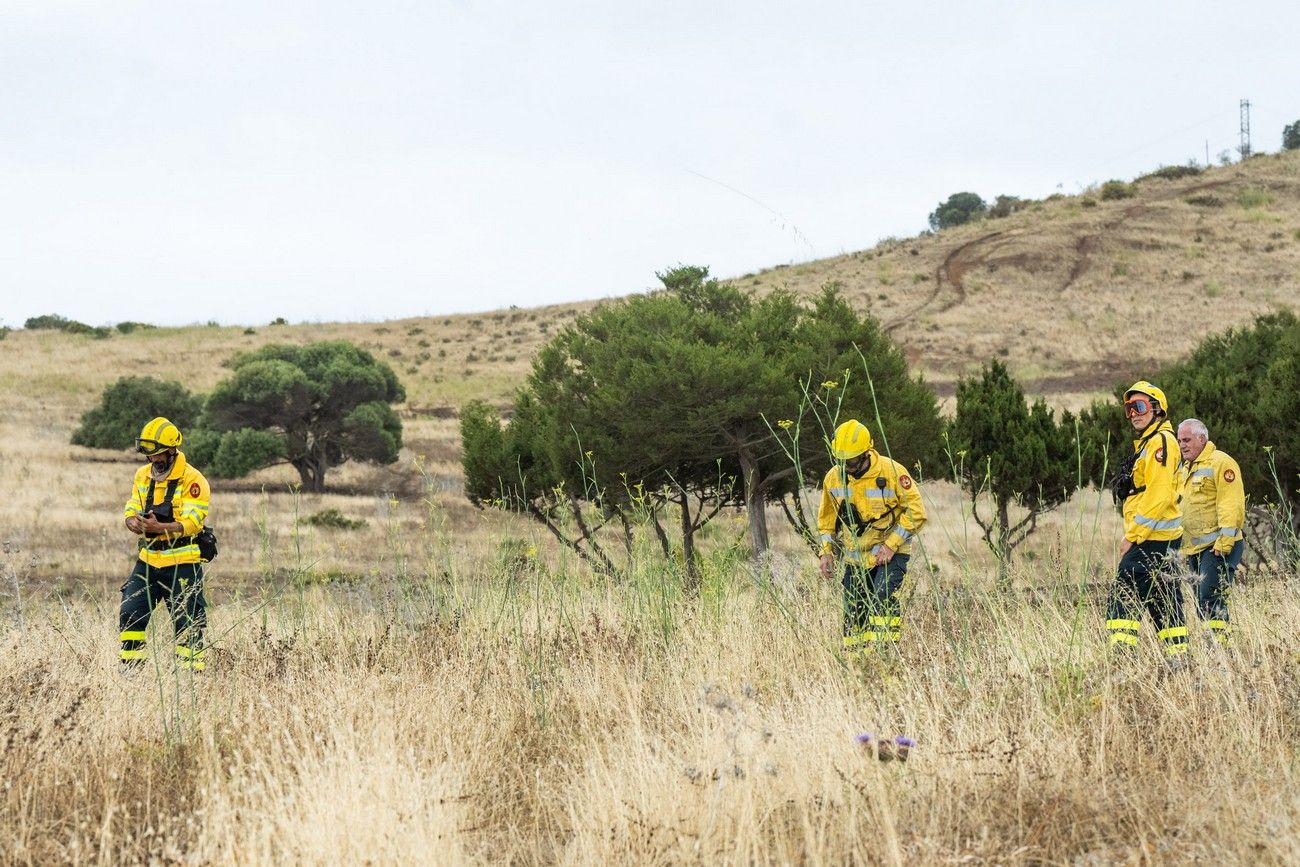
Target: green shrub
{"points": [[1088, 203], [333, 519], [1005, 206], [1204, 200], [1112, 190], [50, 321], [127, 404], [1173, 173], [129, 326], [55, 322]]}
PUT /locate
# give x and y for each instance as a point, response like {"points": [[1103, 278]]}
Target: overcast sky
{"points": [[238, 161]]}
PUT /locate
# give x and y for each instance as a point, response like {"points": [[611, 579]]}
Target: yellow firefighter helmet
{"points": [[158, 436], [1151, 391], [851, 439]]}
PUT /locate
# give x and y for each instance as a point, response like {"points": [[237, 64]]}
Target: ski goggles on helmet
{"points": [[1137, 406], [149, 448]]}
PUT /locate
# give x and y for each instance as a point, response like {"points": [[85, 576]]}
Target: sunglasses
{"points": [[149, 448], [1137, 406]]}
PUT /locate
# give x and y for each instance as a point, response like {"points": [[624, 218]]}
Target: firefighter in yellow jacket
{"points": [[870, 511], [1214, 513], [1152, 527], [167, 509]]}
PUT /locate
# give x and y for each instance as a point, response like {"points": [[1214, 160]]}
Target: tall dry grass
{"points": [[523, 711]]}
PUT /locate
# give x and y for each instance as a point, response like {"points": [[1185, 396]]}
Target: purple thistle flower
{"points": [[904, 742], [864, 738]]}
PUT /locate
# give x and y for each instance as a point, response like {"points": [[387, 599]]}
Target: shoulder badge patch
{"points": [[1160, 455], [194, 489], [905, 481], [1229, 476]]}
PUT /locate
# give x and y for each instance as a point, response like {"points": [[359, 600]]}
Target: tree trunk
{"points": [[688, 546], [1003, 549], [754, 503], [311, 472]]}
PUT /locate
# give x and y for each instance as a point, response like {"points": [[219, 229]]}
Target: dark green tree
{"points": [[1013, 453], [314, 406], [959, 208], [1291, 136], [1245, 385], [127, 404], [670, 400]]}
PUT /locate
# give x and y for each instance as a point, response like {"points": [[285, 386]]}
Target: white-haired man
{"points": [[1214, 513]]}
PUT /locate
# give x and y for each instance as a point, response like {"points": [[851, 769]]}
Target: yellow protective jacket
{"points": [[1152, 513], [881, 506], [189, 505], [1213, 502]]}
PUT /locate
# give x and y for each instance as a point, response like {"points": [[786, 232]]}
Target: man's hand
{"points": [[151, 524], [884, 554], [1124, 547], [133, 524], [827, 566]]}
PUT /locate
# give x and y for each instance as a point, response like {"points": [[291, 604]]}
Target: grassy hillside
{"points": [[1077, 292]]}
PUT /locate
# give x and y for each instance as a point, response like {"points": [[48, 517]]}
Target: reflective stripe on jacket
{"points": [[189, 506], [1152, 514], [1213, 500], [886, 507]]}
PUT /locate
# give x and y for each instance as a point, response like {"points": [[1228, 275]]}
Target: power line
{"points": [[781, 219]]}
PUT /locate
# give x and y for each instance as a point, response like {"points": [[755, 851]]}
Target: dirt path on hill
{"points": [[951, 273], [1086, 245], [979, 251]]}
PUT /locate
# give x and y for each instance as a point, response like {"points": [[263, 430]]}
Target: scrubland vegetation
{"points": [[511, 708], [398, 677]]}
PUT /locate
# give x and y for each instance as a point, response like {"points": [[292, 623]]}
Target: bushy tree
{"points": [[127, 404], [1291, 136], [1013, 453], [671, 400], [959, 208], [1245, 385], [314, 406]]}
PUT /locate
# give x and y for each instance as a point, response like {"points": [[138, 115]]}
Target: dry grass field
{"points": [[445, 685], [526, 714]]}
